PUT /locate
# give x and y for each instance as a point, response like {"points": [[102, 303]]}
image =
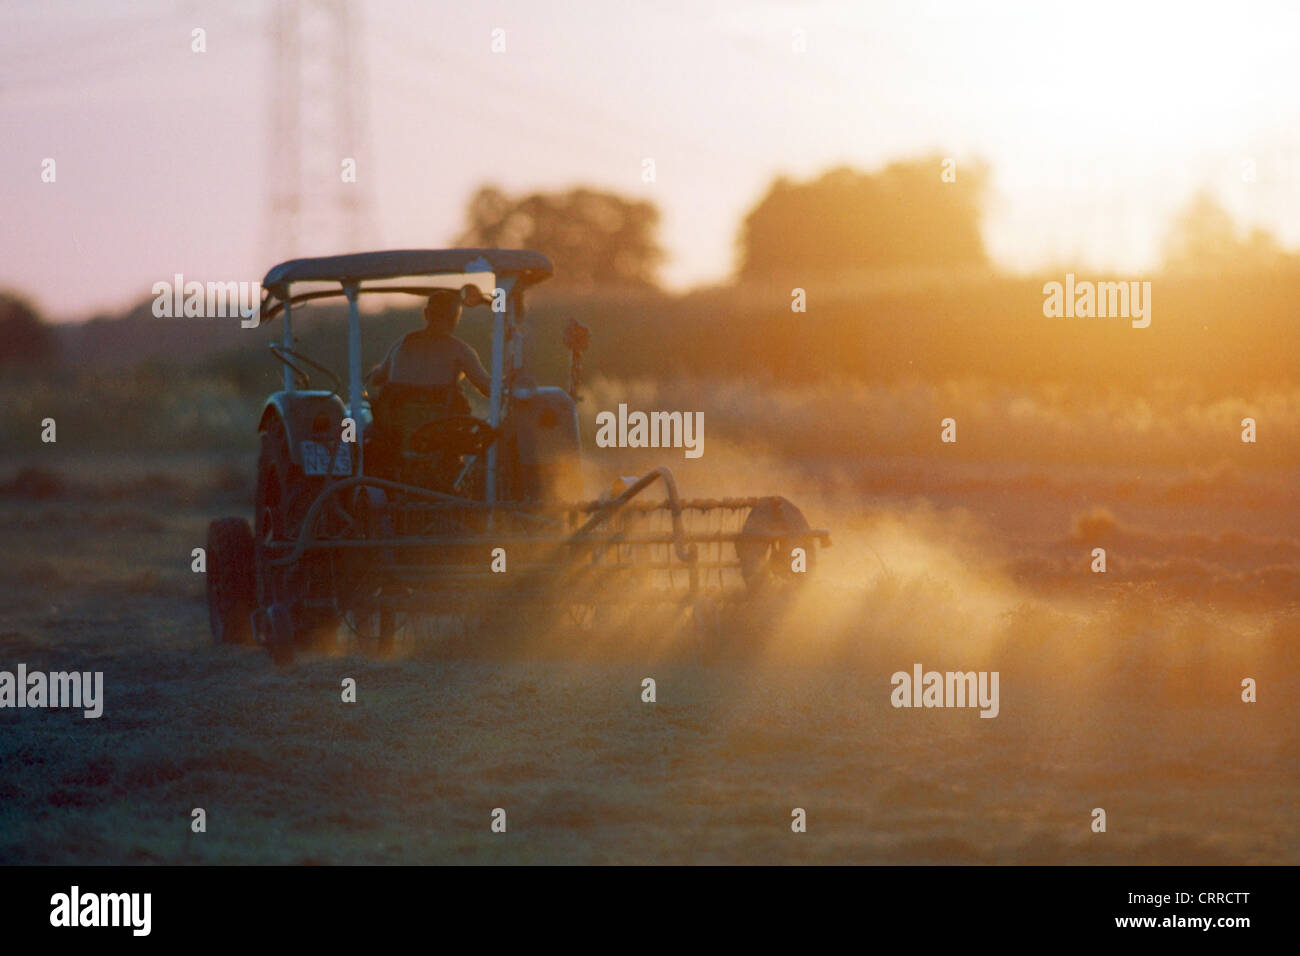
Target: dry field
{"points": [[1117, 691]]}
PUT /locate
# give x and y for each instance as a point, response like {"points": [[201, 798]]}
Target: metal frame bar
{"points": [[286, 341], [356, 386], [273, 305], [684, 544], [502, 324]]}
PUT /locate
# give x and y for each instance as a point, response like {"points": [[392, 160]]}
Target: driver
{"points": [[433, 357]]}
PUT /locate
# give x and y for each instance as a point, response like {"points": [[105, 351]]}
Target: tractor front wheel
{"points": [[284, 495]]}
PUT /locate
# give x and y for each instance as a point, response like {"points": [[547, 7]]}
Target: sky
{"points": [[1098, 121]]}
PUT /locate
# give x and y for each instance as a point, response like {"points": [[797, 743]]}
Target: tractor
{"points": [[372, 510]]}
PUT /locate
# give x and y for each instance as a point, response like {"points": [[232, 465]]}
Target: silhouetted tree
{"points": [[846, 221], [24, 339], [594, 238], [1202, 237]]}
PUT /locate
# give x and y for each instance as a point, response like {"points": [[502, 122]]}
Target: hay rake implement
{"points": [[469, 514]]}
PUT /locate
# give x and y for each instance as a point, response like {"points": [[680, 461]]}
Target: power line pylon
{"points": [[318, 164]]}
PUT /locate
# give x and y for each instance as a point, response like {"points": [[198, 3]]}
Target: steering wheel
{"points": [[455, 435], [289, 357]]}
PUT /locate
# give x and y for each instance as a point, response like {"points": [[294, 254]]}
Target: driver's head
{"points": [[442, 310]]}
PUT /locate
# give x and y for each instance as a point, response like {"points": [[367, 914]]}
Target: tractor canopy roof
{"points": [[370, 271], [529, 267]]}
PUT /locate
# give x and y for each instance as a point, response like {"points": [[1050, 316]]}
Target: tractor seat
{"points": [[453, 436], [424, 435], [401, 410]]}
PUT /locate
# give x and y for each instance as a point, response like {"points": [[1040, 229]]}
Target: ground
{"points": [[782, 714]]}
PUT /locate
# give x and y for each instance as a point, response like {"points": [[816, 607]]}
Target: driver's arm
{"points": [[474, 370], [379, 374]]}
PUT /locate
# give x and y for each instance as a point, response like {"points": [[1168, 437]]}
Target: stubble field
{"points": [[1123, 695]]}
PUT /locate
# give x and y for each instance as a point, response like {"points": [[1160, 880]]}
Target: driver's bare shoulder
{"points": [[466, 352], [414, 337]]}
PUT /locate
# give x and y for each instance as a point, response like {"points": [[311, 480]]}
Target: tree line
{"points": [[917, 213]]}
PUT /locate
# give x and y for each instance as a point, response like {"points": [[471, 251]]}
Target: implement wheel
{"points": [[767, 565]]}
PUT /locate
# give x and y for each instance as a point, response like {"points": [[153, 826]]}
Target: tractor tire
{"points": [[766, 565], [284, 494], [280, 634], [231, 588]]}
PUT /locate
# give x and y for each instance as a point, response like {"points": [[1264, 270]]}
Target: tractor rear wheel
{"points": [[231, 589]]}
